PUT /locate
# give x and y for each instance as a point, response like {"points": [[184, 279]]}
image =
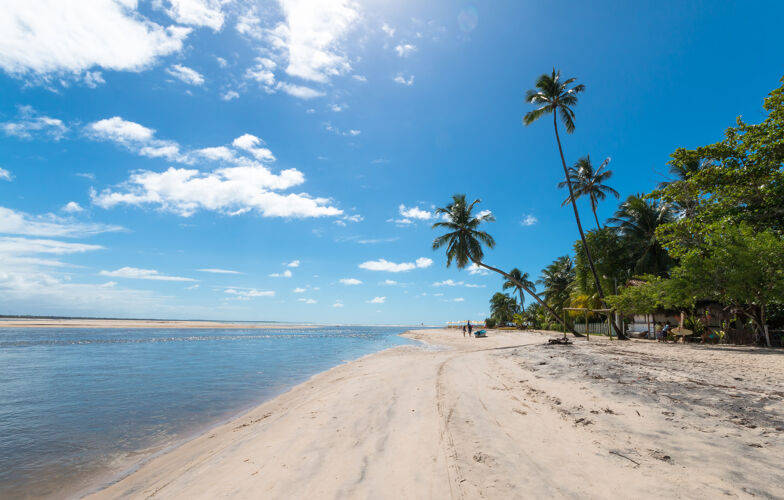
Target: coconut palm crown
{"points": [[464, 241], [590, 182], [522, 278], [553, 95]]}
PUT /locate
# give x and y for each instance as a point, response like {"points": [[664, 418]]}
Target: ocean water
{"points": [[81, 404]]}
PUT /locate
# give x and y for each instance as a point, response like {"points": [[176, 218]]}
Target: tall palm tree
{"points": [[637, 220], [555, 96], [464, 242], [519, 277], [503, 308], [589, 182], [558, 281]]}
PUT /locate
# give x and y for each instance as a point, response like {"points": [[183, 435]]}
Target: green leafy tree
{"points": [[590, 182], [522, 278], [613, 257], [739, 179], [734, 265], [464, 241]]}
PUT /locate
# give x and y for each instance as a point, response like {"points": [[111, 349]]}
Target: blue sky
{"points": [[281, 160]]}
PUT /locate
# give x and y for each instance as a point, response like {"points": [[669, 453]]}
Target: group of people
{"points": [[467, 327]]}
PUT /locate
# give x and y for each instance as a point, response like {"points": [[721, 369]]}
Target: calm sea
{"points": [[81, 404]]}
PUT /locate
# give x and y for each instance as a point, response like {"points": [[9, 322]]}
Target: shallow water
{"points": [[77, 404]]}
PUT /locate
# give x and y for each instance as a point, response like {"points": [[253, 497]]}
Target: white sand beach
{"points": [[502, 417]]}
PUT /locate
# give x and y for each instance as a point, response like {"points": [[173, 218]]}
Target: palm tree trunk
{"points": [[593, 207], [599, 290], [532, 294]]}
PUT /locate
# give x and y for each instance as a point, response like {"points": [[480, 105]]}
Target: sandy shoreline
{"points": [[502, 417], [137, 323]]}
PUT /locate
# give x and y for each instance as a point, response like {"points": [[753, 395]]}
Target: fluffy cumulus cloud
{"points": [[377, 300], [52, 37], [251, 144], [528, 220], [415, 213], [473, 269], [299, 91], [350, 281], [5, 175], [185, 74], [142, 274], [28, 123], [457, 283], [197, 12], [392, 267], [72, 208], [245, 186], [285, 274], [293, 263], [310, 37]]}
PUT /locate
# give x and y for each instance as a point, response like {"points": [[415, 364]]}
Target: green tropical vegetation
{"points": [[713, 233]]}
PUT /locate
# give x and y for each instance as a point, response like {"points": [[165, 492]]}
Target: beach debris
{"points": [[559, 341], [636, 463]]}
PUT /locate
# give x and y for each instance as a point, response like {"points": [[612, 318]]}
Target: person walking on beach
{"points": [[464, 330], [662, 337], [469, 328]]}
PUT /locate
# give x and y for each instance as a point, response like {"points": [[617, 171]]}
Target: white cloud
{"points": [[423, 262], [16, 246], [415, 213], [222, 62], [377, 240], [13, 222], [307, 301], [350, 281], [293, 263], [337, 108], [185, 74], [299, 290], [399, 78], [231, 190], [299, 91], [338, 304], [389, 30], [263, 72], [217, 153], [250, 144], [197, 12], [529, 220], [5, 175], [458, 299], [218, 271], [389, 282], [229, 95], [475, 269], [142, 274], [53, 37], [449, 283], [249, 293], [405, 49], [192, 287], [119, 130], [377, 300], [385, 265], [285, 274], [72, 208], [349, 133], [110, 284], [359, 78], [310, 37], [29, 122]]}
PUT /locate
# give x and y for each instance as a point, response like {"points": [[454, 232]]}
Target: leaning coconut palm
{"points": [[519, 277], [637, 220], [558, 282], [503, 308], [589, 182], [555, 96], [464, 242]]}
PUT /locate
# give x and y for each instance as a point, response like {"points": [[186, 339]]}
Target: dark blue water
{"points": [[76, 404]]}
